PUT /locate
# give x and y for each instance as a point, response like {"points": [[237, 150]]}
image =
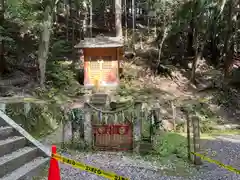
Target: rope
{"points": [[109, 112]]}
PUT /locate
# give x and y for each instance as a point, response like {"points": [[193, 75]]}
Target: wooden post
{"points": [[157, 115], [87, 125], [173, 115], [63, 133], [27, 108], [137, 127], [3, 107], [188, 136], [152, 123], [196, 139], [81, 128], [64, 126]]}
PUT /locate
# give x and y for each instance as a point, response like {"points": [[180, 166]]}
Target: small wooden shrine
{"points": [[102, 61]]}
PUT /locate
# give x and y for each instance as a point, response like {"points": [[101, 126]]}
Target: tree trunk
{"points": [[190, 41], [194, 32], [133, 25], [126, 21], [55, 15], [164, 36], [80, 24], [228, 60], [44, 43], [148, 20], [3, 64], [214, 49], [131, 8], [91, 17], [73, 22], [67, 18], [85, 24], [118, 18], [78, 21], [237, 27], [197, 57], [226, 55], [213, 40], [192, 35], [155, 24]]}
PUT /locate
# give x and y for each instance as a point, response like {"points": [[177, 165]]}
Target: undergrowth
{"points": [[41, 119], [168, 144], [61, 87], [170, 152]]}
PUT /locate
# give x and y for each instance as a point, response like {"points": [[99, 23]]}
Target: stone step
{"points": [[99, 98], [27, 171], [21, 155], [16, 159], [5, 132], [12, 144]]}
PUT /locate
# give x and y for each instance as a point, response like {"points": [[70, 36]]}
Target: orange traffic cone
{"points": [[54, 171]]}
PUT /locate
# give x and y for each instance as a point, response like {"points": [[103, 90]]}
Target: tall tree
{"points": [[133, 24], [126, 20], [118, 18], [3, 65], [46, 28], [228, 49]]}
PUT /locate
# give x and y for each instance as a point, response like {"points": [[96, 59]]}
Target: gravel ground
{"points": [[119, 164], [226, 149], [227, 152], [136, 170]]}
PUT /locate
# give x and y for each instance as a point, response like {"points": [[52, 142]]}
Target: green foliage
{"points": [[4, 35], [169, 144], [23, 12], [39, 120], [204, 111], [7, 39], [207, 117], [58, 76], [60, 48]]}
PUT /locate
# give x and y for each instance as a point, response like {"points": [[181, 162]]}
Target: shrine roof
{"points": [[100, 42]]}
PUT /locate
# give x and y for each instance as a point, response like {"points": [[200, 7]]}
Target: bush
{"points": [[168, 144], [60, 49], [59, 76], [39, 121]]}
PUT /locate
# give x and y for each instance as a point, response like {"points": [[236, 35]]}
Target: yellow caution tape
{"points": [[230, 168], [91, 169]]}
